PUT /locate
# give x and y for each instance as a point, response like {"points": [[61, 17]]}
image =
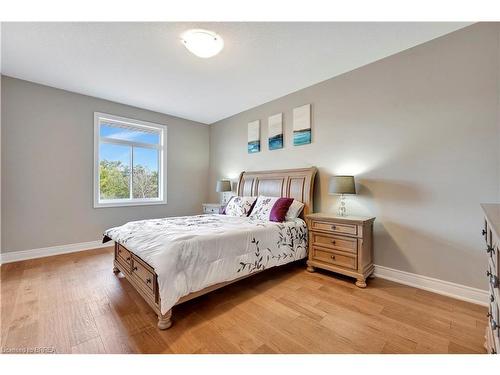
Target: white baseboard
{"points": [[16, 256], [446, 288]]}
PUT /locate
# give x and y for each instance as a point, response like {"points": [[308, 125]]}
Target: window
{"points": [[129, 165]]}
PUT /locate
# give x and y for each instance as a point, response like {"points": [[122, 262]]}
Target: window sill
{"points": [[128, 204]]}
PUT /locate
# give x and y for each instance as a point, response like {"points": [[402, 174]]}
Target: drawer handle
{"points": [[490, 249], [135, 268], [483, 232], [488, 315], [492, 298], [488, 273], [333, 242], [128, 258], [334, 227], [148, 281], [333, 257]]}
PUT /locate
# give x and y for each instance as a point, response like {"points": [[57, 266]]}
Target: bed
{"points": [[172, 260]]}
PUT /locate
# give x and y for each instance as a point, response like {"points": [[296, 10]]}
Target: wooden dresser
{"points": [[341, 244], [491, 233]]}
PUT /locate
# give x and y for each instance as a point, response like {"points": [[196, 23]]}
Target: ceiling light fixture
{"points": [[202, 43]]}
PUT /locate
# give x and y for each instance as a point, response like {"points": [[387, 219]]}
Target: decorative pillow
{"points": [[271, 208], [295, 209], [239, 206]]}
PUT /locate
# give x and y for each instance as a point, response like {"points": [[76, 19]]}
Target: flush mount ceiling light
{"points": [[202, 43]]}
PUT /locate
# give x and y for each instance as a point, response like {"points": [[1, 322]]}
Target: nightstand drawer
{"points": [[335, 242], [211, 210], [334, 257], [334, 227]]}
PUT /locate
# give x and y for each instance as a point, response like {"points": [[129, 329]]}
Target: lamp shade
{"points": [[223, 185], [342, 185]]}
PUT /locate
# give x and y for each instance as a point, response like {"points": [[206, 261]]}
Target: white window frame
{"points": [[162, 162]]}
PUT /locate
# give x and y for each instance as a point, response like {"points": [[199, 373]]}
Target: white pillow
{"points": [[239, 206], [295, 209]]}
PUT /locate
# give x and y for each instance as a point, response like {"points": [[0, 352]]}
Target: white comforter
{"points": [[193, 252]]}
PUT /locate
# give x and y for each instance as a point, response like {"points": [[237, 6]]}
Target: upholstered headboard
{"points": [[289, 183]]}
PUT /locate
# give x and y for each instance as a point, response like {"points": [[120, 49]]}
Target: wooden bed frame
{"points": [[291, 183]]}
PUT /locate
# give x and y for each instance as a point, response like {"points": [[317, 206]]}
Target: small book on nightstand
{"points": [[342, 244]]}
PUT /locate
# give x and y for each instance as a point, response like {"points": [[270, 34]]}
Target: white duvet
{"points": [[193, 252]]}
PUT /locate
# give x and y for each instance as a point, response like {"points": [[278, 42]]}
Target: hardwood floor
{"points": [[75, 304]]}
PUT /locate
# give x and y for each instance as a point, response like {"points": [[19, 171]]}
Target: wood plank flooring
{"points": [[75, 304]]}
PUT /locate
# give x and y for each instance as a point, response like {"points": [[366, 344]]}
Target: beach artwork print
{"points": [[275, 131], [254, 136], [302, 125]]}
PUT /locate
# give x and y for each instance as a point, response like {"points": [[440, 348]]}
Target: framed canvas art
{"points": [[302, 125], [253, 136], [275, 131]]}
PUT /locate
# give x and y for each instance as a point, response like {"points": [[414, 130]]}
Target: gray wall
{"points": [[47, 167], [419, 131], [0, 154], [498, 115]]}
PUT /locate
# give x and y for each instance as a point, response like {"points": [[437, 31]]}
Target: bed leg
{"points": [[165, 320]]}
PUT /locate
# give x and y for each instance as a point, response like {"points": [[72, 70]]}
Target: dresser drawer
{"points": [[492, 276], [492, 251], [334, 227], [494, 257], [142, 274], [335, 242], [334, 257], [491, 342], [493, 315]]}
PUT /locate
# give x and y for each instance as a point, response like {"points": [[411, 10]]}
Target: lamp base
{"points": [[342, 210]]}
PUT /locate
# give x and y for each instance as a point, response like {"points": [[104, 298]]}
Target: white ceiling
{"points": [[145, 64]]}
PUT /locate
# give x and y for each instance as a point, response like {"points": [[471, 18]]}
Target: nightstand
{"points": [[211, 208], [342, 244]]}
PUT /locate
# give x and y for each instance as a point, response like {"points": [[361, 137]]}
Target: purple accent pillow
{"points": [[280, 208]]}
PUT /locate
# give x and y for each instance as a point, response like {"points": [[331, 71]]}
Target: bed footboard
{"points": [[143, 278], [145, 281]]}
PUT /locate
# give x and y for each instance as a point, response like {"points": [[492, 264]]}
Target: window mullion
{"points": [[131, 177], [160, 174]]}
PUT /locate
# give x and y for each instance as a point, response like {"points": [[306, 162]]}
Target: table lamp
{"points": [[342, 185], [223, 186]]}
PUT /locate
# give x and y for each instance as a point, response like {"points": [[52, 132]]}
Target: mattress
{"points": [[191, 253]]}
